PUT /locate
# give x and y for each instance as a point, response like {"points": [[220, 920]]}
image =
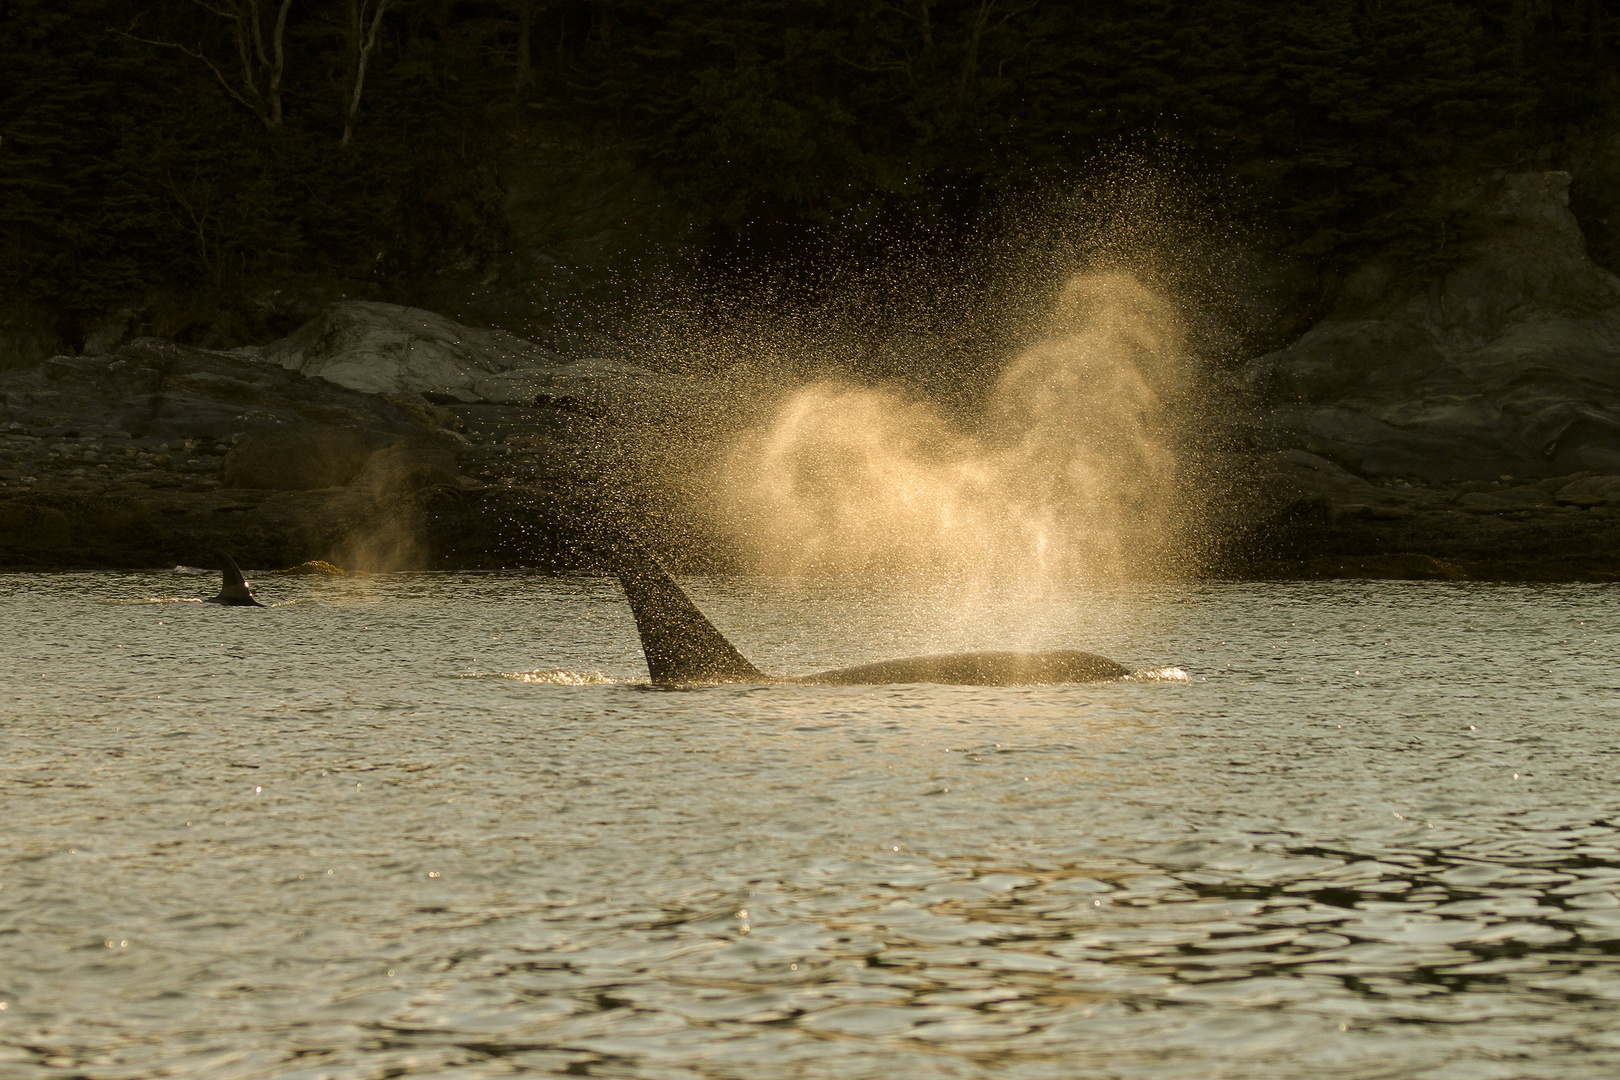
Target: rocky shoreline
{"points": [[1306, 517], [1460, 424], [161, 454], [1453, 427]]}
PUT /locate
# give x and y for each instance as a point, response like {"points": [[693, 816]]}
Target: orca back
{"points": [[976, 669], [680, 644]]}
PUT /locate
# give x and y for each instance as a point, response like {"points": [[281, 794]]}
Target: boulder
{"points": [[303, 457], [386, 349], [155, 389], [1314, 473], [152, 479], [106, 336], [312, 568], [1508, 363], [381, 348], [1590, 491]]}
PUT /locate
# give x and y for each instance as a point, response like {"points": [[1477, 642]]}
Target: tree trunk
{"points": [[362, 39], [277, 62], [525, 70]]}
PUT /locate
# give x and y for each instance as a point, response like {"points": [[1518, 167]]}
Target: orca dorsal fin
{"points": [[233, 589], [230, 575], [681, 645]]}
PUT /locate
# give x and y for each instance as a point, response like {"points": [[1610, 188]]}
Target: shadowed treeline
{"points": [[167, 143]]}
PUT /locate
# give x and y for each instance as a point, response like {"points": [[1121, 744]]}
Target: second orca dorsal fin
{"points": [[233, 589], [681, 645]]}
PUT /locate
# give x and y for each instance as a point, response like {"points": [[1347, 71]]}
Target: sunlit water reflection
{"points": [[1375, 833]]}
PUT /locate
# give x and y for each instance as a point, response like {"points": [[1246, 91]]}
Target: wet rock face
{"points": [[301, 458], [1306, 516], [160, 453], [1508, 364], [35, 528], [409, 466], [158, 415], [155, 454]]}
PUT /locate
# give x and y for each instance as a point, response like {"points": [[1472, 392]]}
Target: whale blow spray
{"points": [[1069, 470]]}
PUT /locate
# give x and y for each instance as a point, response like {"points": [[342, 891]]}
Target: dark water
{"points": [[1374, 832]]}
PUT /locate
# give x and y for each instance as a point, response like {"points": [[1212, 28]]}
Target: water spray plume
{"points": [[1070, 470]]}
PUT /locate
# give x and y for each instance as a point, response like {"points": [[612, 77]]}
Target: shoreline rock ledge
{"points": [[379, 348], [1507, 363], [1471, 419], [159, 452]]}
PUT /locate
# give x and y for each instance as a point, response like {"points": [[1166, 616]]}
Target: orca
{"points": [[233, 591], [683, 647]]}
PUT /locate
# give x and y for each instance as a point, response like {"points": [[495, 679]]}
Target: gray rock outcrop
{"points": [[1508, 364], [388, 349], [378, 348], [414, 465]]}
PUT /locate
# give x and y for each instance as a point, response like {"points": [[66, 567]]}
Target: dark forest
{"points": [[200, 146]]}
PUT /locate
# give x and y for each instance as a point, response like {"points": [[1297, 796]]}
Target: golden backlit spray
{"points": [[1070, 472]]}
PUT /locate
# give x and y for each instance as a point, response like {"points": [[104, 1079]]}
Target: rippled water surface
{"points": [[1375, 832]]}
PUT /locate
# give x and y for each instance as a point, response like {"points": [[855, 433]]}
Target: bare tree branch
{"points": [[247, 31], [245, 57], [195, 208], [983, 27], [195, 54]]}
